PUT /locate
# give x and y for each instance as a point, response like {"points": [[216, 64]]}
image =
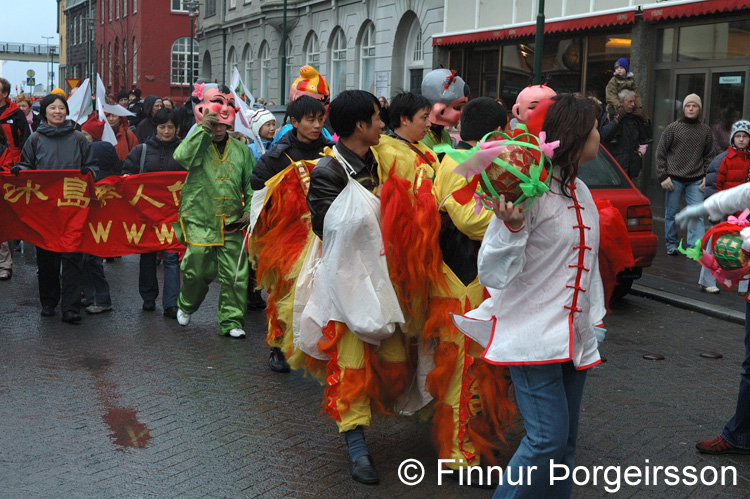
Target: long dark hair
{"points": [[570, 120]]}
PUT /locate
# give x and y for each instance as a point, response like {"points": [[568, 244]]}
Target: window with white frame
{"points": [[102, 9], [109, 65], [101, 60], [367, 58], [135, 6], [135, 59], [265, 71], [125, 61], [84, 30], [109, 8], [117, 9], [312, 50], [414, 63], [181, 55], [338, 63], [231, 63], [178, 6], [73, 31], [248, 81], [232, 4], [289, 65], [124, 8]]}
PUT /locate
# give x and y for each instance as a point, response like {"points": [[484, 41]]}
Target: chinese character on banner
{"points": [[73, 192], [139, 195], [105, 192], [174, 189], [13, 192]]}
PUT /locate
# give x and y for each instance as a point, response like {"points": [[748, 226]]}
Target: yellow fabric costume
{"points": [[471, 404]]}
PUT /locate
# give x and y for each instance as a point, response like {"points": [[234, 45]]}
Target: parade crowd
{"points": [[397, 264]]}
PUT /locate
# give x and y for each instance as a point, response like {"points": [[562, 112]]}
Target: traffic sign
{"points": [[30, 81], [72, 82], [30, 73]]}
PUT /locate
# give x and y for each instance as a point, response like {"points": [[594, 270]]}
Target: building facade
{"points": [[80, 43], [62, 26], [146, 45], [675, 47], [382, 46]]}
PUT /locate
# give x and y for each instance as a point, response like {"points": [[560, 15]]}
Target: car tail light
{"points": [[639, 218]]}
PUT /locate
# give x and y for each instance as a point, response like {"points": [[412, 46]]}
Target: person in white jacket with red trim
{"points": [[545, 258]]}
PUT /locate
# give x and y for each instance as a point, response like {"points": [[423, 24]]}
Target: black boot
{"points": [[277, 362]]}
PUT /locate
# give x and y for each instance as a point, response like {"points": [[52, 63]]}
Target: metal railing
{"points": [[29, 48]]}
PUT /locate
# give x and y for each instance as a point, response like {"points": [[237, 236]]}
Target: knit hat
{"points": [[259, 118], [310, 81], [94, 127], [740, 126], [136, 92], [122, 94], [59, 91], [692, 98], [622, 63]]}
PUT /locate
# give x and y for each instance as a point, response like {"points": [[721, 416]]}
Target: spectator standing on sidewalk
{"points": [[735, 438], [707, 281], [626, 132], [685, 151]]}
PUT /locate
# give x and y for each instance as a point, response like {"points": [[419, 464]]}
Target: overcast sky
{"points": [[26, 21]]}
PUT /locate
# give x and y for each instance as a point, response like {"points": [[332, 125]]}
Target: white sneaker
{"points": [[237, 333], [710, 289], [183, 318]]}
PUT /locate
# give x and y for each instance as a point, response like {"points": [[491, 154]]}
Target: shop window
{"points": [[714, 41], [665, 45]]}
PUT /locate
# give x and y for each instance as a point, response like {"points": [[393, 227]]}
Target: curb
{"points": [[716, 311]]}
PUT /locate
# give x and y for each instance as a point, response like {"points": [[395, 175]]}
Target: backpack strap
{"points": [[143, 157]]}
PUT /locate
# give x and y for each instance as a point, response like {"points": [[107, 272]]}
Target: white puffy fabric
{"points": [[351, 283]]}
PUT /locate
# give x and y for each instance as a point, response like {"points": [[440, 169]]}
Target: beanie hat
{"points": [[310, 81], [692, 98], [59, 91], [136, 92], [94, 127], [622, 63], [259, 118], [122, 94], [740, 126]]}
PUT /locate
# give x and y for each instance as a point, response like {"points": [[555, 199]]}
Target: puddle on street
{"points": [[127, 431]]}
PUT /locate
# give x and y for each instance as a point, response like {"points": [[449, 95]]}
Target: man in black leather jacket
{"points": [[303, 142], [355, 116]]}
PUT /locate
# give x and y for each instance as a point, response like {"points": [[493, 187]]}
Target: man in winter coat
{"points": [[626, 132]]}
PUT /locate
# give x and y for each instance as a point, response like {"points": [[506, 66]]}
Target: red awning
{"points": [[693, 9], [565, 25]]}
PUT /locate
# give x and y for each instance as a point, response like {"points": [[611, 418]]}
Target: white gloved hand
{"points": [[690, 214], [703, 184], [667, 184], [745, 235]]}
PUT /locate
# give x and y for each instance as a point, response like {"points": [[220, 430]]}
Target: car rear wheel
{"points": [[623, 287]]}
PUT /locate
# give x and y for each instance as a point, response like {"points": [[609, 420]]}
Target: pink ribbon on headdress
{"points": [[198, 92], [548, 148], [741, 220]]}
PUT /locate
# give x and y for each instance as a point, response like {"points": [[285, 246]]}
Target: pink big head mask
{"points": [[528, 99], [214, 98], [448, 94]]}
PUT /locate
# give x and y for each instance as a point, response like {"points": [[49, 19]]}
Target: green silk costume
{"points": [[216, 192]]}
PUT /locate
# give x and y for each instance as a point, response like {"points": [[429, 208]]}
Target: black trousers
{"points": [[50, 291]]}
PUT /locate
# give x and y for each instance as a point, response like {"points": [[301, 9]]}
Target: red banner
{"points": [[64, 211]]}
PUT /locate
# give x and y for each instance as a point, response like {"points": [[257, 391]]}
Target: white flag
{"points": [[79, 104]]}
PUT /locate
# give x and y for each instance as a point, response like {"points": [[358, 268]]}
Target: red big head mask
{"points": [[448, 94], [214, 98]]}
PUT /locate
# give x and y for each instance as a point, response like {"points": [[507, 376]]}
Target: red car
{"points": [[606, 180]]}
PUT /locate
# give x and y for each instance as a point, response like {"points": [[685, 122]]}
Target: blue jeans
{"points": [[737, 430], [148, 283], [95, 285], [549, 397], [693, 195]]}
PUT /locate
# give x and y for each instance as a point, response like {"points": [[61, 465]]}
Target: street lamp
{"points": [[192, 6], [50, 65]]}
